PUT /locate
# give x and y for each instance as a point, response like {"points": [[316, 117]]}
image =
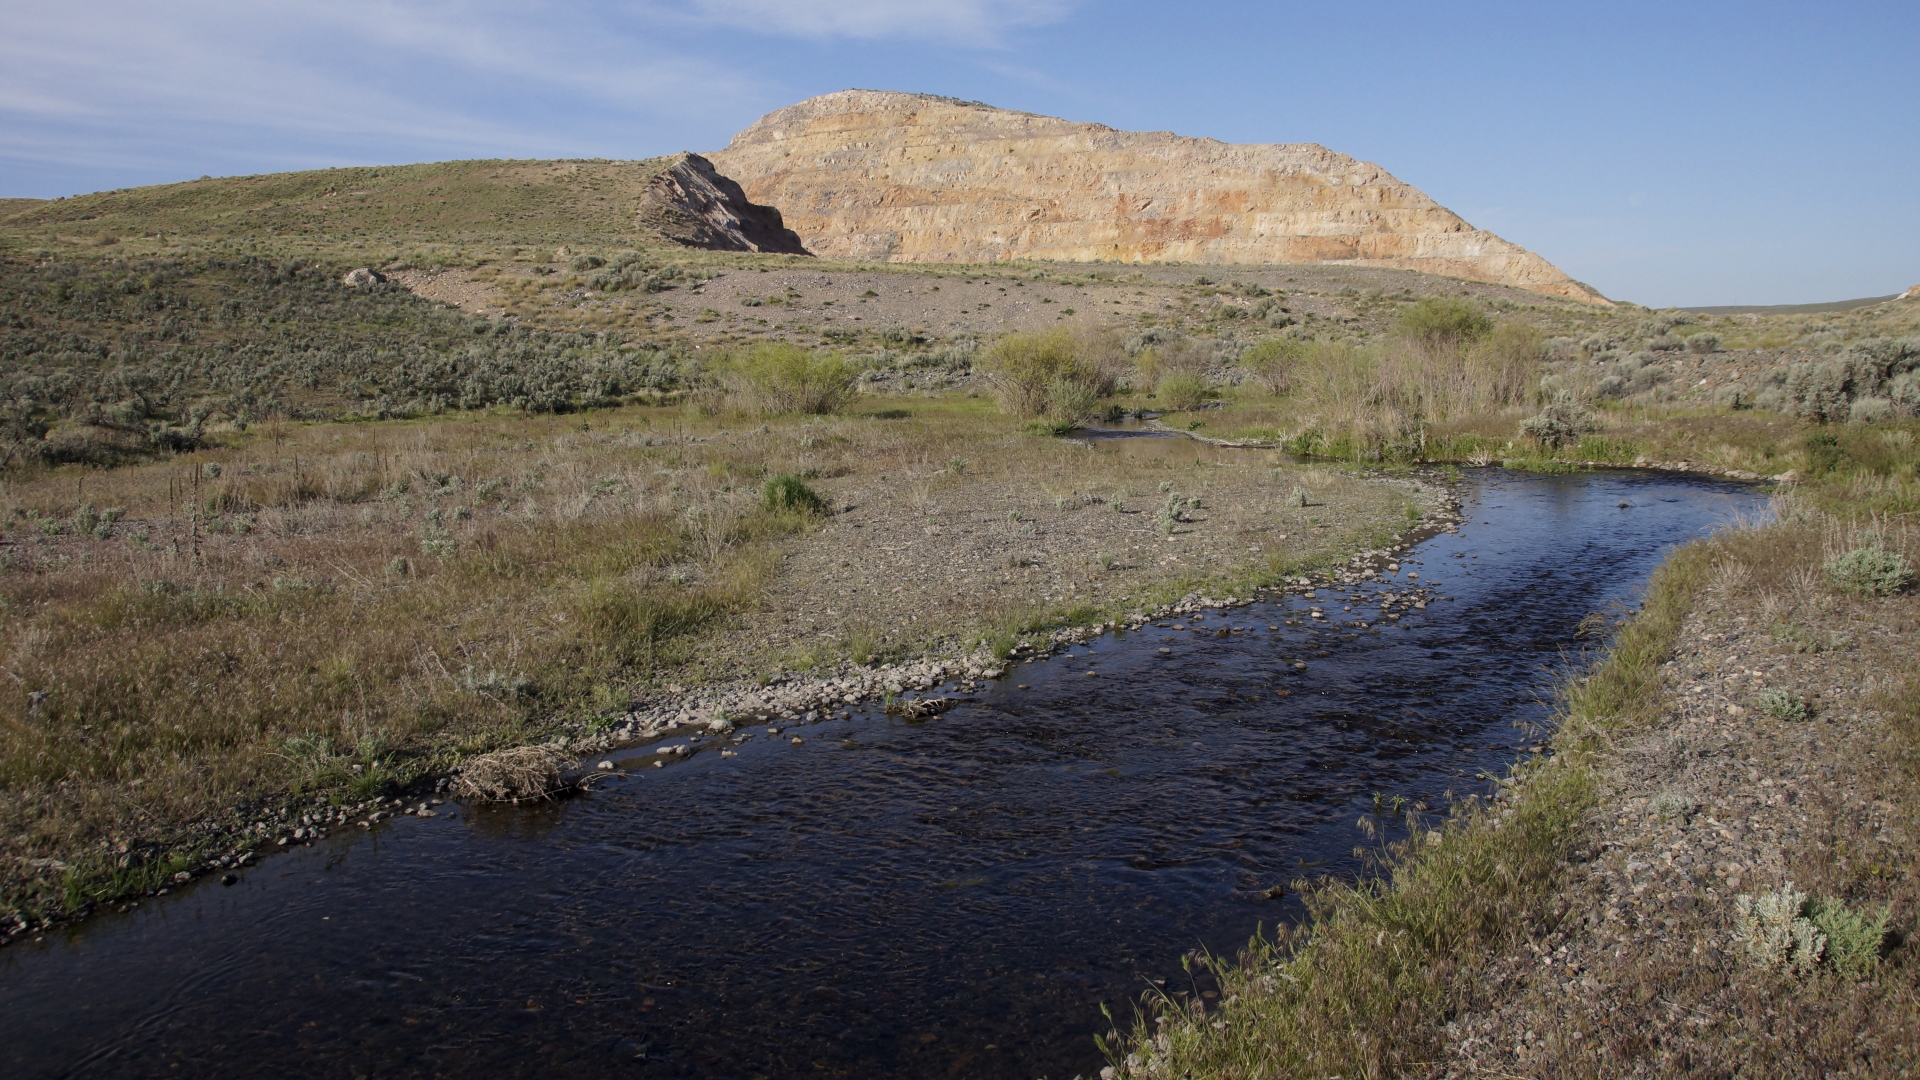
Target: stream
{"points": [[951, 897]]}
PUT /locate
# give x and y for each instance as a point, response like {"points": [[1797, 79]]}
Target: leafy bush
{"points": [[788, 492], [1028, 370], [778, 378], [1271, 362], [1070, 400], [1869, 570], [1784, 928], [1870, 410], [1180, 391], [1437, 323], [1854, 942]]}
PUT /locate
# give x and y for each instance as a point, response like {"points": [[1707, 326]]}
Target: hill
{"points": [[916, 178], [659, 202]]}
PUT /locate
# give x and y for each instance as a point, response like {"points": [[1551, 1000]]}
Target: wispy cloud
{"points": [[137, 82], [973, 22]]}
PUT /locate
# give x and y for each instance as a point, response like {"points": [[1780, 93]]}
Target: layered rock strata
{"points": [[690, 203], [916, 178]]}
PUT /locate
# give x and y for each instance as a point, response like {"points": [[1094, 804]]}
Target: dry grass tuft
{"points": [[523, 772]]}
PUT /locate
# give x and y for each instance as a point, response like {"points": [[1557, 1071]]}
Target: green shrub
{"points": [[778, 378], [1027, 371], [1437, 323], [1869, 570], [1070, 400], [1854, 942], [1182, 390], [1271, 362], [789, 492]]}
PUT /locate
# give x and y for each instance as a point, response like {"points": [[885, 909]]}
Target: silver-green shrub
{"points": [[1783, 705], [1868, 570], [1776, 932]]}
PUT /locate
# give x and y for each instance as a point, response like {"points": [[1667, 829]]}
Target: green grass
{"points": [[385, 212]]}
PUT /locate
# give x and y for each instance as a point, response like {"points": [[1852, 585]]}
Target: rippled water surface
{"points": [[950, 898]]}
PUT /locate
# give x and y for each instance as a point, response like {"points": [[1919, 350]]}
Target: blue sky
{"points": [[1668, 153]]}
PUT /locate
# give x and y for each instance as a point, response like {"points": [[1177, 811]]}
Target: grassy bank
{"points": [[1363, 988], [1369, 984], [335, 611]]}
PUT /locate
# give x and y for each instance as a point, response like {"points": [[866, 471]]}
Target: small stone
{"points": [[606, 766], [797, 740], [228, 879]]}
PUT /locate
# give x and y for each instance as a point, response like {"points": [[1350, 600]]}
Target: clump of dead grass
{"points": [[522, 772]]}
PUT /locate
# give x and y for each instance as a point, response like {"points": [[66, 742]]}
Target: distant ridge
{"points": [[1791, 309]]}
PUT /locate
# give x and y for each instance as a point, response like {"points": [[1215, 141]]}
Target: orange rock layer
{"points": [[865, 174]]}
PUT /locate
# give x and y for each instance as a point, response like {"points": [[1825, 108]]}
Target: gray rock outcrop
{"points": [[691, 203]]}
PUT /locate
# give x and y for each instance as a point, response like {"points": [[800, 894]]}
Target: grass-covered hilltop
{"points": [[317, 485]]}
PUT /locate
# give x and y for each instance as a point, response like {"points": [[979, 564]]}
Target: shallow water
{"points": [[954, 898]]}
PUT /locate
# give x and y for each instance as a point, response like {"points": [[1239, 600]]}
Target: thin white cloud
{"points": [[972, 22], [142, 83]]}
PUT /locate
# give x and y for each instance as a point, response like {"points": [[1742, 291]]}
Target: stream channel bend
{"points": [[954, 897]]}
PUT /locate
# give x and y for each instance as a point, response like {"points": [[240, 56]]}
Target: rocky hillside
{"points": [[691, 204], [917, 178]]}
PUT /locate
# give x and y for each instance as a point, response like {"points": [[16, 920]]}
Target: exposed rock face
{"points": [[916, 178], [1912, 293], [690, 203]]}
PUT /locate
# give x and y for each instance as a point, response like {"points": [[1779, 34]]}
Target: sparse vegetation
{"points": [[517, 523], [1181, 391]]}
